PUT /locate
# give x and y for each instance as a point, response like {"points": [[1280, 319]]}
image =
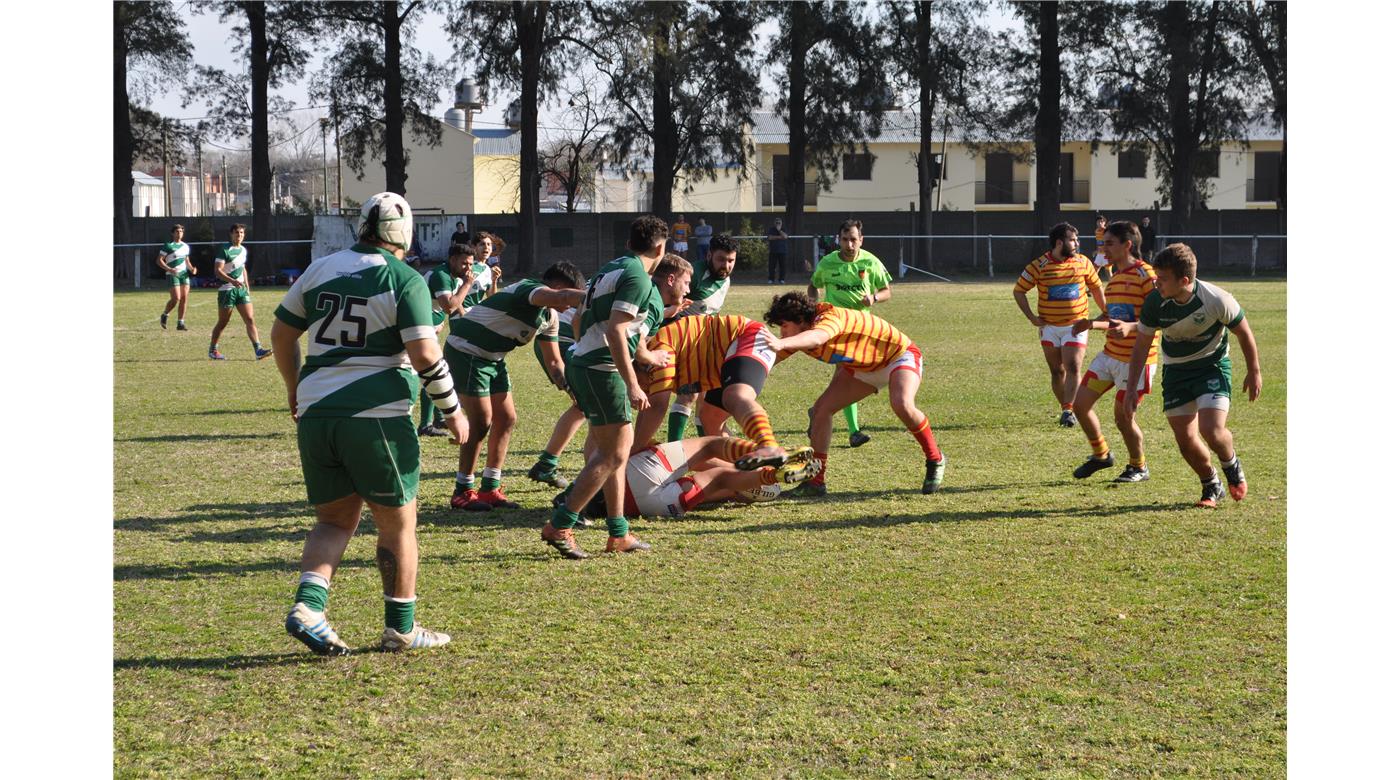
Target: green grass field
{"points": [[1018, 624]]}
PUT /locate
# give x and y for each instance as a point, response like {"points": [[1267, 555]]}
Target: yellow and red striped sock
{"points": [[820, 478], [736, 448], [1069, 407], [1139, 462], [758, 429], [768, 476], [923, 434], [1100, 447]]}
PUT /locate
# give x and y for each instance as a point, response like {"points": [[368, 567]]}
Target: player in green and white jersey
{"points": [[708, 290], [613, 322], [449, 284], [851, 278], [368, 320], [1193, 317], [476, 354], [231, 266], [552, 351], [174, 259]]}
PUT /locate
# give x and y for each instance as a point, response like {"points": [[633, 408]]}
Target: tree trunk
{"points": [[797, 119], [530, 21], [1176, 26], [124, 153], [1047, 119], [663, 122], [395, 164], [923, 12], [261, 163]]}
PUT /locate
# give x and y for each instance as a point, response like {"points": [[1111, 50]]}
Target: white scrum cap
{"points": [[388, 218]]}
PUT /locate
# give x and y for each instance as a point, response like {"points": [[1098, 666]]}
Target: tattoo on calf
{"points": [[388, 569]]}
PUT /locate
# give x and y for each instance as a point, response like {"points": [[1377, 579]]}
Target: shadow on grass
{"points": [[224, 411], [210, 437], [206, 513], [525, 517], [934, 516], [225, 662], [839, 435]]}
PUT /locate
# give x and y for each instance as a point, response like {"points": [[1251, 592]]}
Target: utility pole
{"points": [[199, 163], [339, 175], [223, 182], [325, 171], [165, 167]]}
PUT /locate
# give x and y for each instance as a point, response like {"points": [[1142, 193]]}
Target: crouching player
{"points": [[727, 358], [1129, 286], [552, 350], [372, 325], [476, 353], [1193, 317], [873, 354]]}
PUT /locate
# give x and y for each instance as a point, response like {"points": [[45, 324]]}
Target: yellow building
{"points": [[470, 172]]}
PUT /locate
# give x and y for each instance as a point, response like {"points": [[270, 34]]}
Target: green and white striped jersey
{"points": [[707, 291], [503, 322], [621, 285], [358, 307], [1194, 333], [176, 252], [440, 281], [481, 285], [561, 329], [233, 259]]}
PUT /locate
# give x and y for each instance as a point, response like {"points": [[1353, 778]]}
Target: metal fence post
{"points": [[989, 258], [136, 267], [1253, 254]]}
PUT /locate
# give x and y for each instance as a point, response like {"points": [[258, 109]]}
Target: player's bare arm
{"points": [[426, 355], [286, 350], [219, 272], [1099, 298], [548, 296], [879, 296], [1025, 305], [553, 363], [615, 334], [1137, 365], [807, 339], [1253, 378]]}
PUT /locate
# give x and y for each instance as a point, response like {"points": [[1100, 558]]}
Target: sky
{"points": [[212, 48]]}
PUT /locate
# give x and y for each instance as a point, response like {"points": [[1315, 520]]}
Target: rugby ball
{"points": [[761, 493]]}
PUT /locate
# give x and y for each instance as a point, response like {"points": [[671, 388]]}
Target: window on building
{"points": [[940, 171], [1132, 163], [857, 167], [1267, 169], [1208, 164]]}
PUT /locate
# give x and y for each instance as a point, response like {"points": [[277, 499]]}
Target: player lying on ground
{"points": [[1129, 286], [1193, 317], [1064, 279], [476, 354], [370, 325], [708, 290], [231, 266], [871, 354], [174, 259], [670, 479], [621, 308]]}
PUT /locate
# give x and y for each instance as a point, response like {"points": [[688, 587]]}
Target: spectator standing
{"points": [[680, 235], [702, 239], [777, 253], [461, 236], [1149, 237]]}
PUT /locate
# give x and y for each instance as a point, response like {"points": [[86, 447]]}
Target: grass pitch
{"points": [[1019, 623]]}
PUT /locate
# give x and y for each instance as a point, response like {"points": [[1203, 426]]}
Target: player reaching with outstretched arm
{"points": [[231, 266], [552, 351], [851, 278], [1193, 317], [1064, 279], [869, 354], [370, 326], [620, 300], [174, 259], [477, 358], [1129, 286]]}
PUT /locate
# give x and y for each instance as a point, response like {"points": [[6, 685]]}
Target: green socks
{"points": [[675, 426], [563, 518], [617, 526], [547, 462], [852, 418], [312, 590], [398, 613]]}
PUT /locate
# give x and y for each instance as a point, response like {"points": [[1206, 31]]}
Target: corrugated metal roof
{"points": [[497, 141]]}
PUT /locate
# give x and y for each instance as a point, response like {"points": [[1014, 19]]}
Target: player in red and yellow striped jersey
{"points": [[1132, 280], [728, 357], [1064, 280], [874, 354]]}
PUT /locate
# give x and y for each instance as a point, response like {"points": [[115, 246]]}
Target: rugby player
{"points": [[174, 259], [230, 265]]}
